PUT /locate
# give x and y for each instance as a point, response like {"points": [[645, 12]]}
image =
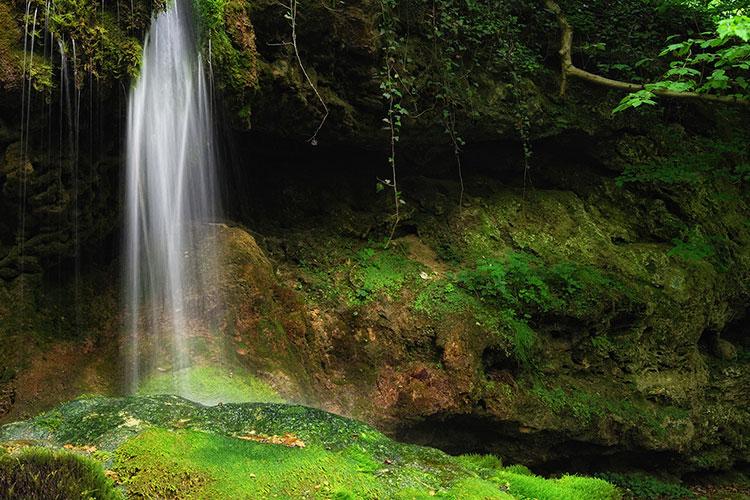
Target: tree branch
{"points": [[569, 69]]}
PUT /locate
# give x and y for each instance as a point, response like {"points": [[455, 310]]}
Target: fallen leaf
{"points": [[112, 475], [80, 449], [289, 440]]}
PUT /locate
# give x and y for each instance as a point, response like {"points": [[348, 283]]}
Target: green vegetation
{"points": [[640, 485], [588, 408], [361, 276], [39, 474], [168, 447], [700, 161], [228, 41], [520, 482], [378, 272], [510, 295], [102, 48], [212, 385], [717, 62], [188, 463]]}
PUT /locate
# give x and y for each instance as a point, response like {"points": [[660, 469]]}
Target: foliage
{"points": [[717, 63], [447, 297], [695, 247], [463, 39], [512, 294], [641, 485], [524, 283], [437, 47], [391, 86], [514, 281], [94, 41], [40, 473], [620, 39], [433, 52]]}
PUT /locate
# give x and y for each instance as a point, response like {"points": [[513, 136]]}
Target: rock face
{"points": [[546, 327]]}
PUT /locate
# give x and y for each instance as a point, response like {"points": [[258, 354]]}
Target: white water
{"points": [[170, 200]]}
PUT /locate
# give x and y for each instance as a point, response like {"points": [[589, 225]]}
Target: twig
{"points": [[292, 17]]}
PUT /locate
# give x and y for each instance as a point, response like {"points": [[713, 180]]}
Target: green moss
{"points": [[520, 482], [641, 485], [508, 295], [587, 408], [689, 163], [197, 464], [525, 284], [565, 488], [211, 385], [40, 473], [225, 467], [361, 275], [443, 298], [168, 447], [103, 48], [379, 272], [228, 40]]}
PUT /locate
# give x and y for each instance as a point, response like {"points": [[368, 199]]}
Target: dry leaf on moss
{"points": [[288, 439]]}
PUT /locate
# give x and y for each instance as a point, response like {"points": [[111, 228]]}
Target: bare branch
{"points": [[292, 17]]}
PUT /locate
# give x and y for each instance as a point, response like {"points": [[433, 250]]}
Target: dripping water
{"points": [[26, 74]]}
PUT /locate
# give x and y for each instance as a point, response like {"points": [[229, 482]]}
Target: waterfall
{"points": [[170, 201]]}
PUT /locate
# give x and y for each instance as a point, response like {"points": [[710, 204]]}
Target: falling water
{"points": [[170, 203]]}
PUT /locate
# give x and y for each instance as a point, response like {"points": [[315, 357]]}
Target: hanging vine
{"points": [[291, 16], [391, 87]]}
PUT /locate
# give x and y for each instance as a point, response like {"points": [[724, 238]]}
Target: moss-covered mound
{"points": [[166, 446], [211, 385], [39, 473]]}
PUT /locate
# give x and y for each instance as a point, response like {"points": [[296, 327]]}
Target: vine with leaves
{"points": [[391, 86]]}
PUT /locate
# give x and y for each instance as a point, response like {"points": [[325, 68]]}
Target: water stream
{"points": [[170, 201]]}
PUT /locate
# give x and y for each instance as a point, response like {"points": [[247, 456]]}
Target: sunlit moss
{"points": [[211, 385]]}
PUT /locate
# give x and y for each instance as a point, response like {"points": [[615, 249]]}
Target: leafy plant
{"points": [[716, 63]]}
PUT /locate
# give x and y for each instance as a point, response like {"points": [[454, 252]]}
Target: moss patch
{"points": [[164, 446], [211, 385], [39, 473]]}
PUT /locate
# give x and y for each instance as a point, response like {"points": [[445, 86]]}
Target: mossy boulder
{"points": [[167, 446]]}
